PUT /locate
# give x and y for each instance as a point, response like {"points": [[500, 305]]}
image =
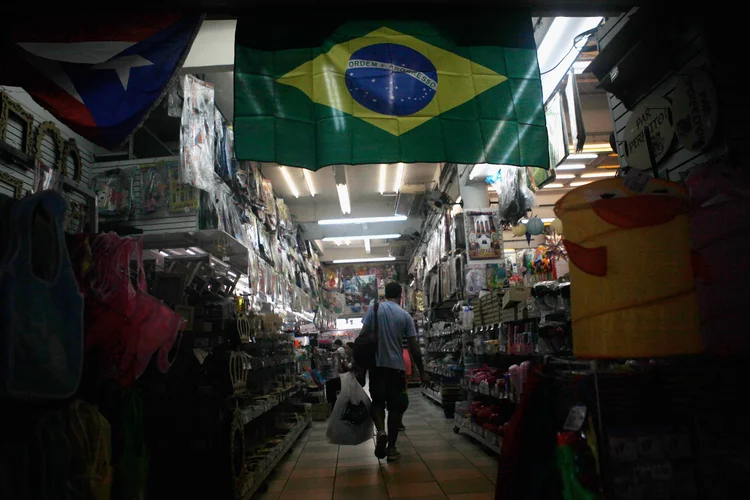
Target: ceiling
{"points": [[214, 61]]}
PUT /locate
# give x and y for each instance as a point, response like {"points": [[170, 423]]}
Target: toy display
{"points": [[484, 239], [612, 233], [155, 189], [197, 134], [114, 194]]}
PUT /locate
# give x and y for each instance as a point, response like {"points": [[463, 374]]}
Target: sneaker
{"points": [[401, 428], [380, 445], [393, 454]]}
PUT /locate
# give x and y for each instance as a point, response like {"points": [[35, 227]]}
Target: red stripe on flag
{"points": [[73, 29]]}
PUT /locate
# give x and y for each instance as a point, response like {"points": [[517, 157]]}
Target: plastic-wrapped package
{"points": [[476, 279], [514, 196], [496, 277], [174, 100], [46, 178], [268, 201], [114, 193], [155, 189], [197, 136]]}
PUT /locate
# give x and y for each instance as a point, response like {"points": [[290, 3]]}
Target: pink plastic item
{"points": [[720, 231]]}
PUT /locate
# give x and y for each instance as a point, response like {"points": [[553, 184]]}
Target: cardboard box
{"points": [[514, 295]]}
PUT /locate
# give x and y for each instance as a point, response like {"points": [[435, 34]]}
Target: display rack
{"points": [[253, 482], [490, 441], [433, 395]]}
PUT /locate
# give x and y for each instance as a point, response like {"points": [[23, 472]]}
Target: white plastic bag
{"points": [[351, 423]]}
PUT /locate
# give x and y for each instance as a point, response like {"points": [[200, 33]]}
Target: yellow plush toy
{"points": [[631, 272]]}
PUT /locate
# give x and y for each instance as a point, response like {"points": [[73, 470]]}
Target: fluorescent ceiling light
{"points": [[598, 174], [553, 186], [308, 181], [190, 251], [580, 183], [565, 176], [366, 259], [559, 49], [582, 156], [573, 166], [368, 237], [346, 206], [162, 252], [399, 178], [367, 245], [289, 181], [362, 220], [597, 147], [382, 178]]}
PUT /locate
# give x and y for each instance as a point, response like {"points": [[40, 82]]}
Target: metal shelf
{"points": [[433, 395], [259, 479], [479, 438]]}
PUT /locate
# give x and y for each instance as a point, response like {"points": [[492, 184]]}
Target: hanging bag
{"points": [[351, 423], [366, 344], [41, 318]]}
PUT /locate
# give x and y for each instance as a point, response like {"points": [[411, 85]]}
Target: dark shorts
{"points": [[388, 389]]}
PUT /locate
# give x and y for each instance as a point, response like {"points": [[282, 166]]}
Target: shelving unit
{"points": [[493, 443], [433, 395], [254, 481]]}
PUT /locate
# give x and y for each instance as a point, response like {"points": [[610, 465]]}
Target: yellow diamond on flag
{"points": [[393, 81]]}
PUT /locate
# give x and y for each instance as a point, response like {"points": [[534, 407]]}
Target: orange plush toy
{"points": [[631, 270]]}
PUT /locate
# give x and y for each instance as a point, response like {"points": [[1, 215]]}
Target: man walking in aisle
{"points": [[388, 377]]}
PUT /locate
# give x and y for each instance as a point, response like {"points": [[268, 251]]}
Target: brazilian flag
{"points": [[341, 89]]}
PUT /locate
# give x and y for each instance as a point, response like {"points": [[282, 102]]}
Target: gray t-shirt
{"points": [[393, 325]]}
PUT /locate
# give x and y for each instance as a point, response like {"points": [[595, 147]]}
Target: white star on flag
{"points": [[123, 65]]}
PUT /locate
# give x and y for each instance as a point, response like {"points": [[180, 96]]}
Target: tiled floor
{"points": [[435, 463]]}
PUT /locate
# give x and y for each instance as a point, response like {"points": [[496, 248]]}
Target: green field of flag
{"points": [[351, 91]]}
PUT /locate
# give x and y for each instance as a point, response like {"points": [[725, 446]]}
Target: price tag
{"points": [[576, 417], [636, 180]]}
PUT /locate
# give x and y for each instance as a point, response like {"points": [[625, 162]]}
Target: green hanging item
{"points": [[132, 471]]}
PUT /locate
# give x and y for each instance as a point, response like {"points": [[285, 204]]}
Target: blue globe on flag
{"points": [[391, 79]]}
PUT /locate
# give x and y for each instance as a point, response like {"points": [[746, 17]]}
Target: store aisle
{"points": [[435, 463]]}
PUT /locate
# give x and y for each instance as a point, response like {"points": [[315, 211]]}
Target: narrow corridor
{"points": [[435, 463]]}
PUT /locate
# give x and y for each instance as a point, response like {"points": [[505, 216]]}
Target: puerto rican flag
{"points": [[99, 76]]}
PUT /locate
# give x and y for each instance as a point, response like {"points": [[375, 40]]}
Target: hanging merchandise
{"points": [[223, 154], [720, 199], [197, 137], [519, 230], [557, 226], [268, 201], [41, 332], [182, 197], [114, 193], [90, 438], [131, 474], [155, 189], [514, 196], [614, 237], [535, 226], [497, 278], [46, 177], [485, 240], [476, 279], [126, 325]]}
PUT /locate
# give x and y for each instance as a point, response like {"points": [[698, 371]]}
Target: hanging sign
{"points": [[694, 109], [651, 118]]}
